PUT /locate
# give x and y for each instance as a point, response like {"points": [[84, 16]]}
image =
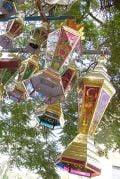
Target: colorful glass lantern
{"points": [[52, 116], [47, 85], [18, 94], [9, 62], [14, 29], [67, 42], [39, 39], [28, 67], [33, 46], [68, 79], [7, 74], [8, 8], [95, 93]]}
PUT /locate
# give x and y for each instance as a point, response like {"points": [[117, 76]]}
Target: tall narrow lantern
{"points": [[96, 91], [48, 83]]}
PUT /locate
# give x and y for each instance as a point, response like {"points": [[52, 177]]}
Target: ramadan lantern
{"points": [[51, 117], [28, 67], [48, 83], [68, 79], [14, 29], [80, 157], [8, 68], [9, 62], [18, 94], [8, 8], [38, 40]]}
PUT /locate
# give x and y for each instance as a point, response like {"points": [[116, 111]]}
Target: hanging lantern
{"points": [[67, 42], [33, 46], [8, 8], [9, 62], [68, 79], [61, 45], [41, 34], [8, 68], [28, 67], [18, 94], [96, 91], [52, 116], [39, 39], [46, 84], [14, 29], [7, 74]]}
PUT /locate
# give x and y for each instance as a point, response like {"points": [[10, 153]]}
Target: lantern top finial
{"points": [[100, 67], [101, 59]]}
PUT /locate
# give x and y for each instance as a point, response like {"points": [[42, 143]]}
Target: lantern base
{"points": [[80, 157]]}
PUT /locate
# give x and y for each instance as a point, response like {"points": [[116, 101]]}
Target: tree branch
{"points": [[96, 19]]}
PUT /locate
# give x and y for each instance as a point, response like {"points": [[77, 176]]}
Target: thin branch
{"points": [[96, 19]]}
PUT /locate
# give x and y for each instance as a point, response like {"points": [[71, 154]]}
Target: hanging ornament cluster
{"points": [[80, 157], [47, 83], [51, 85]]}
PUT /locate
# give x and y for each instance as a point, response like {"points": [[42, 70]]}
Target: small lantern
{"points": [[14, 28], [7, 74], [33, 46], [46, 84], [68, 79], [28, 67], [18, 94], [9, 62], [8, 8], [96, 91], [39, 39], [41, 34], [52, 116]]}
